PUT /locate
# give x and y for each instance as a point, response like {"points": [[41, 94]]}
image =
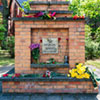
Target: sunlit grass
{"points": [[6, 61], [95, 63]]}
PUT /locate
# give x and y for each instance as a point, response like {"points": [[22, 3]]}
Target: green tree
{"points": [[2, 29], [91, 10]]}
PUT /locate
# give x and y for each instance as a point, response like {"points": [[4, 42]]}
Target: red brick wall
{"points": [[23, 40], [51, 7], [48, 87], [37, 34]]}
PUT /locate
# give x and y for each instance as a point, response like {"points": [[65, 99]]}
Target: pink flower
{"points": [[53, 14], [39, 14], [13, 76]]}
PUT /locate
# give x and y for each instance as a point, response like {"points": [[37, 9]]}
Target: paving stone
{"points": [[6, 97], [54, 97], [21, 97], [69, 97], [86, 97], [38, 97]]}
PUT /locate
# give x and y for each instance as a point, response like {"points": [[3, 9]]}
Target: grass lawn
{"points": [[95, 63], [6, 61]]}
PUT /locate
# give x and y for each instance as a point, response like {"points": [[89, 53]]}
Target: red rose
{"points": [[44, 75], [5, 75], [41, 41], [18, 16], [83, 17], [53, 62], [80, 17], [75, 17], [17, 75], [59, 39]]}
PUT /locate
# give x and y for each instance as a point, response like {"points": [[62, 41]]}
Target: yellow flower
{"points": [[70, 71], [82, 69], [68, 75], [79, 71], [73, 74], [87, 75], [80, 64], [78, 77]]}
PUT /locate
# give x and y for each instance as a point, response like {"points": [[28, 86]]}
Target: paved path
{"points": [[5, 69], [44, 96]]}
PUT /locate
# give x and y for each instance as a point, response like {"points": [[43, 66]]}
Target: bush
{"points": [[92, 46], [2, 29], [9, 44], [92, 49]]}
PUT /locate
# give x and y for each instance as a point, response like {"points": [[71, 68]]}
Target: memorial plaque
{"points": [[50, 45]]}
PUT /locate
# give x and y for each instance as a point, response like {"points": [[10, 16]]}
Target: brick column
{"points": [[76, 44], [22, 50]]}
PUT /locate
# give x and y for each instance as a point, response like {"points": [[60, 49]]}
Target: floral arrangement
{"points": [[79, 72], [35, 50], [78, 17], [46, 15], [12, 75], [47, 74], [51, 61]]}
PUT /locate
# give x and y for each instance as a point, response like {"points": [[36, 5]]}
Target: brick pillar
{"points": [[76, 43], [22, 50]]}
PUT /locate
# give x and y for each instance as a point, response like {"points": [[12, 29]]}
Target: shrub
{"points": [[2, 29], [92, 49], [9, 44]]}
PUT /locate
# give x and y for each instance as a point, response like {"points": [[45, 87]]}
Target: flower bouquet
{"points": [[35, 51]]}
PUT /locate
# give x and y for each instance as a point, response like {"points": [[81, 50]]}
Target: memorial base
{"points": [[47, 85]]}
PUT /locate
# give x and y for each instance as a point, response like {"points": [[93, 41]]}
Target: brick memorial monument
{"points": [[60, 40]]}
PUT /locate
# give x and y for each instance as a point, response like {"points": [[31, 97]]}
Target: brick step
{"points": [[47, 85]]}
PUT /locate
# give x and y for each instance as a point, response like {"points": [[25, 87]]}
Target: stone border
{"points": [[50, 66], [58, 12], [39, 19], [61, 79], [49, 2]]}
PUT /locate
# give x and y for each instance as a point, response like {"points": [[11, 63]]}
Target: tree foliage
{"points": [[2, 28], [91, 10]]}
